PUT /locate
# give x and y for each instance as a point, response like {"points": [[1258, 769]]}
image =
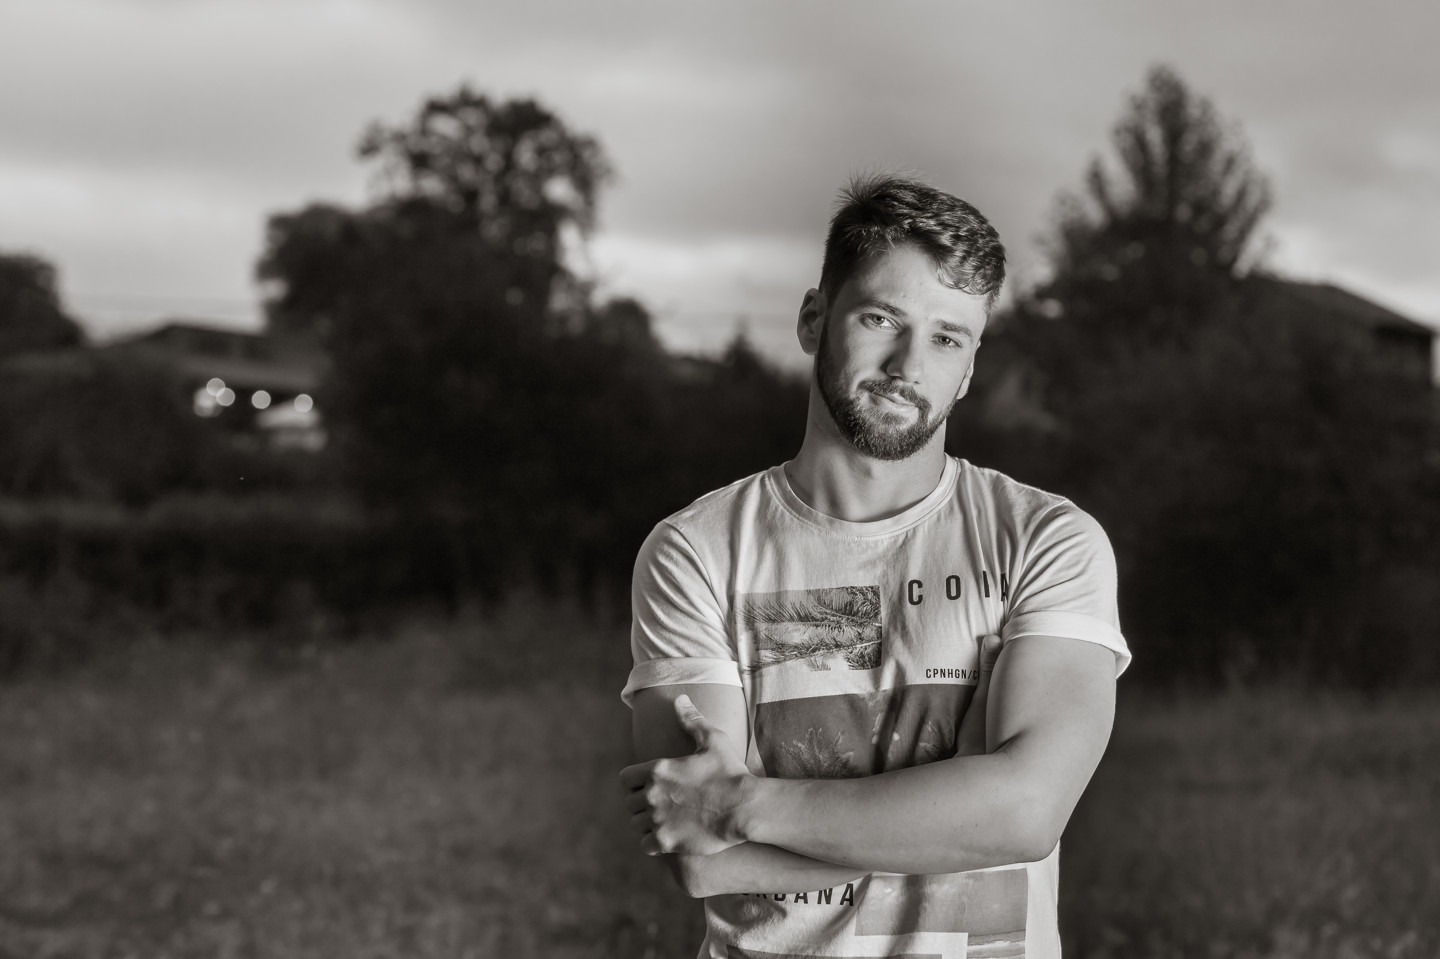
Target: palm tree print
{"points": [[818, 756], [815, 625]]}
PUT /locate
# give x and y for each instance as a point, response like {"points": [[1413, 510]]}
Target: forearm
{"points": [[969, 812], [1051, 707], [755, 867]]}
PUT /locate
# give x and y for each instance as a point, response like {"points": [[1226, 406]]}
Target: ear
{"points": [[811, 319]]}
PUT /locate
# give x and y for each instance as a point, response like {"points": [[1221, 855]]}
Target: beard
{"points": [[869, 430]]}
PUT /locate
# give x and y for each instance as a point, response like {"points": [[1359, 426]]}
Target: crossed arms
{"points": [[1004, 799]]}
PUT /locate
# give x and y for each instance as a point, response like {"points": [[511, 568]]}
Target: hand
{"points": [[970, 740], [689, 804]]}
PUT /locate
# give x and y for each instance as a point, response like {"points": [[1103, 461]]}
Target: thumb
{"points": [[990, 647], [693, 720]]}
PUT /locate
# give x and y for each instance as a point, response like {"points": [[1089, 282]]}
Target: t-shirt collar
{"points": [[780, 485]]}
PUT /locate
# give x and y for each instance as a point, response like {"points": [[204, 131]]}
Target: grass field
{"points": [[452, 792]]}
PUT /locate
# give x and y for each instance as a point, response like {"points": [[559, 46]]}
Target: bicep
{"points": [[657, 733], [1051, 708]]}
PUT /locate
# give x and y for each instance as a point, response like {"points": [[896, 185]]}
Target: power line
{"points": [[158, 298]]}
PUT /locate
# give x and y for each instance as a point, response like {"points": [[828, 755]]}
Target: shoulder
{"points": [[718, 508], [1033, 518], [993, 491], [705, 521]]}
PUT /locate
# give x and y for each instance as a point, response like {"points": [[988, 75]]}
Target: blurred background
{"points": [[349, 349]]}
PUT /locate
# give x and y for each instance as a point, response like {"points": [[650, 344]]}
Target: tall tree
{"points": [[1184, 178], [1159, 234], [1147, 255], [471, 378]]}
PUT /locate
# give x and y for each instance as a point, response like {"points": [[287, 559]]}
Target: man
{"points": [[808, 641]]}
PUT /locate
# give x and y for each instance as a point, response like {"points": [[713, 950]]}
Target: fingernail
{"points": [[684, 702]]}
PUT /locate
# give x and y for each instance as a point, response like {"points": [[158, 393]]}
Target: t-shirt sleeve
{"points": [[1066, 584], [678, 633]]}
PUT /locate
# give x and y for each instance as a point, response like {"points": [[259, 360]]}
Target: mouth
{"points": [[894, 399]]}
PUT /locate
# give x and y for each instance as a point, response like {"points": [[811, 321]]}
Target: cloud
{"points": [[261, 91]]}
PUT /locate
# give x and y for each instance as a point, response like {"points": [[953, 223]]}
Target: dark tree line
{"points": [[77, 424], [1270, 477], [97, 425]]}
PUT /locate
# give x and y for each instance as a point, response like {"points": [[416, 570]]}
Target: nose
{"points": [[906, 359]]}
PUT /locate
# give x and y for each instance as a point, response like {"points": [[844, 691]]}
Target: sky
{"points": [[143, 143]]}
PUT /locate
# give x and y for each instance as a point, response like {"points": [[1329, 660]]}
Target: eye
{"points": [[949, 342], [877, 320]]}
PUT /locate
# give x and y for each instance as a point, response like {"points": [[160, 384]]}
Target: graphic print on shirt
{"points": [[836, 627], [859, 734], [735, 952], [988, 906]]}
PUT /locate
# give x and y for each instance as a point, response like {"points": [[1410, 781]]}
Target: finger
{"points": [[642, 823], [636, 776], [650, 845], [693, 720], [990, 647], [636, 801]]}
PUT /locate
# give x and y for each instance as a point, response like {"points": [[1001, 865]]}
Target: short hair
{"points": [[877, 213]]}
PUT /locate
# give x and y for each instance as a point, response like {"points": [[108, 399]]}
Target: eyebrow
{"points": [[954, 329]]}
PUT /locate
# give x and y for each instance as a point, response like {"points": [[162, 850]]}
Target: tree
{"points": [[474, 387], [454, 267], [1146, 252], [1148, 255], [31, 317], [509, 170], [1185, 178], [507, 179]]}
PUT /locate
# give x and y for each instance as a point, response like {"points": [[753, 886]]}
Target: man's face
{"points": [[895, 351]]}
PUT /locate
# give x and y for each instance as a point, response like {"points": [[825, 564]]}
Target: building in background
{"points": [[257, 385], [1409, 344]]}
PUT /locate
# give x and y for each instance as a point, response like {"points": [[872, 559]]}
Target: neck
{"points": [[832, 477]]}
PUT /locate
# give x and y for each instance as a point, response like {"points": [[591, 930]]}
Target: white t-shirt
{"points": [[857, 647]]}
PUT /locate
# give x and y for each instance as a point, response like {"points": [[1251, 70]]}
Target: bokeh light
{"points": [[225, 397], [205, 404], [260, 399], [303, 403]]}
